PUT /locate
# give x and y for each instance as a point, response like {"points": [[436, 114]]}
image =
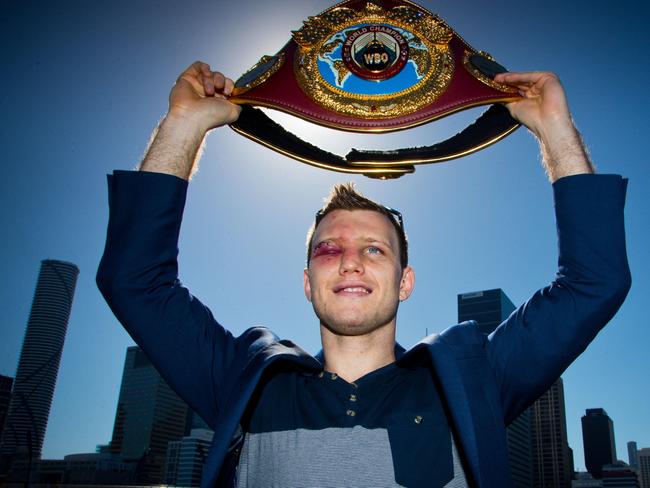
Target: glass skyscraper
{"points": [[633, 454], [644, 466], [40, 356], [5, 396], [598, 440], [186, 457], [552, 460], [149, 415]]}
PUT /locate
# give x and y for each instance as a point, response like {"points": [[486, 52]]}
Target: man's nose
{"points": [[351, 262]]}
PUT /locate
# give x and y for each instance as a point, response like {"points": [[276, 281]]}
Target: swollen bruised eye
{"points": [[326, 249]]}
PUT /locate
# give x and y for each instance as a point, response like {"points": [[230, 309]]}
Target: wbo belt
{"points": [[374, 66]]}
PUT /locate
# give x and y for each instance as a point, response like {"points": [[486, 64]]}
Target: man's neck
{"points": [[352, 357]]}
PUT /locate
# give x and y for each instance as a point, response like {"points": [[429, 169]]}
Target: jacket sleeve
{"points": [[532, 348], [138, 276]]}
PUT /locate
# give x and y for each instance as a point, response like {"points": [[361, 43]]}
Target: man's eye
{"points": [[325, 248], [374, 250]]}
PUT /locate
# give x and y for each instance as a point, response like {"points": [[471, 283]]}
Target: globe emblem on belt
{"points": [[375, 52]]}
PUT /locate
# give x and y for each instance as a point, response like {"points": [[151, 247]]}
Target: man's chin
{"points": [[351, 327], [354, 321]]}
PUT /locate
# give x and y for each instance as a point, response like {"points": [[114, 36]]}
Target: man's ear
{"points": [[306, 284], [407, 283]]}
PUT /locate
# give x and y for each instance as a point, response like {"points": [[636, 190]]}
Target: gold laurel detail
{"points": [[372, 9], [312, 30], [435, 31], [406, 14], [321, 26], [431, 27], [476, 73], [339, 15], [435, 63]]}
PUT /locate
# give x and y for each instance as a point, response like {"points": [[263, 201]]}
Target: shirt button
{"points": [[418, 419], [334, 376], [351, 413], [321, 374], [353, 398]]}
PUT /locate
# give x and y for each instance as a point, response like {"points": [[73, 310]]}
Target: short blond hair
{"points": [[344, 196]]}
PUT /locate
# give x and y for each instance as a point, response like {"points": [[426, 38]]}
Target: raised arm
{"points": [[197, 103], [541, 338], [138, 273]]}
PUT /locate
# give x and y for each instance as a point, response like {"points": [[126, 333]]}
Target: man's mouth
{"points": [[353, 289]]}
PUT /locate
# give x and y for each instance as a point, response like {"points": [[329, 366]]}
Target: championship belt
{"points": [[374, 66]]}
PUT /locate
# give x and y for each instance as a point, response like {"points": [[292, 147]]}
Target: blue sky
{"points": [[84, 83]]}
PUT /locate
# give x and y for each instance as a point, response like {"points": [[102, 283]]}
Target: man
{"points": [[364, 412]]}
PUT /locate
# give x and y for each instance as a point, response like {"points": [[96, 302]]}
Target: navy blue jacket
{"points": [[486, 381]]}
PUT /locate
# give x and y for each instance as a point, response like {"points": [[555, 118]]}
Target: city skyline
{"points": [[499, 302], [84, 103]]}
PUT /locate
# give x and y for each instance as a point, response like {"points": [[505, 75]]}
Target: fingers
{"points": [[228, 87], [212, 83], [207, 80], [530, 84], [523, 79]]}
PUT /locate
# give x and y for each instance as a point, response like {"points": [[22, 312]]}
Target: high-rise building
{"points": [[40, 356], [585, 480], [552, 459], [489, 308], [185, 458], [598, 440], [632, 454], [644, 466], [619, 475], [5, 396], [6, 383], [149, 415], [97, 469]]}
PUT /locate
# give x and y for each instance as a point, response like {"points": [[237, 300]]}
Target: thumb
{"points": [[235, 112]]}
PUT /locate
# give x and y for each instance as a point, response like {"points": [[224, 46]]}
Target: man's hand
{"points": [[545, 111], [543, 102], [197, 103], [200, 97]]}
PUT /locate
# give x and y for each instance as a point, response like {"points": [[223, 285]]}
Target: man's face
{"points": [[354, 279]]}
